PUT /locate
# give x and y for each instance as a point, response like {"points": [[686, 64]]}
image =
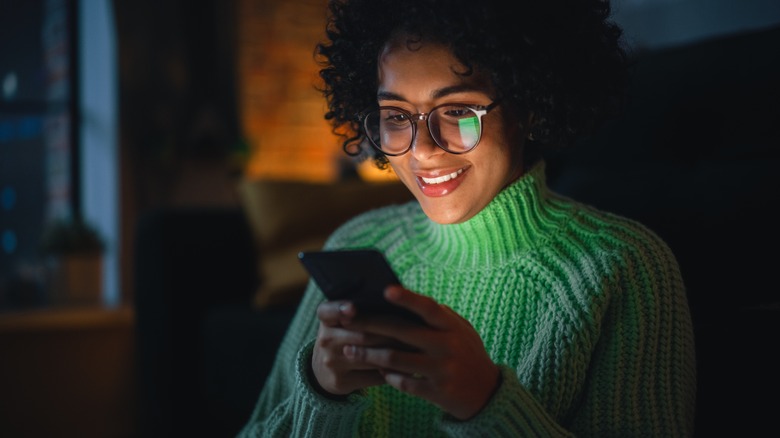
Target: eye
{"points": [[395, 117], [457, 111]]}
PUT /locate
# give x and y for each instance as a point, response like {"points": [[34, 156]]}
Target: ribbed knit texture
{"points": [[585, 311]]}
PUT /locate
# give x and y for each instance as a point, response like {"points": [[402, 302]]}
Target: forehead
{"points": [[405, 63]]}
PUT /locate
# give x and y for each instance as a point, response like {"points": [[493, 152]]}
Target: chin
{"points": [[444, 216]]}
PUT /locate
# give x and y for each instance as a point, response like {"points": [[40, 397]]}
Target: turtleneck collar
{"points": [[516, 220]]}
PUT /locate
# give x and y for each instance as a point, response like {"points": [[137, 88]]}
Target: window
{"points": [[57, 137]]}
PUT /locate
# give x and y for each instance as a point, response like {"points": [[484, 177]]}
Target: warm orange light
{"points": [[369, 172], [282, 113]]}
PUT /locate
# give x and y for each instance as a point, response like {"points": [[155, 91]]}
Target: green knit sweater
{"points": [[584, 311]]}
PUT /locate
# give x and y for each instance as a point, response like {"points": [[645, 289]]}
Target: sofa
{"points": [[692, 158]]}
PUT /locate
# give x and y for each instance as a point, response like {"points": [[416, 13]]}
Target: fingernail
{"points": [[391, 292]]}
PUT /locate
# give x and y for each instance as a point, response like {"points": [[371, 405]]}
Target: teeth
{"points": [[441, 179]]}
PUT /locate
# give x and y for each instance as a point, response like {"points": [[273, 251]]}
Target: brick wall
{"points": [[280, 110]]}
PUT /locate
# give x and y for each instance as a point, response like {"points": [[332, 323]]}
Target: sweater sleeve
{"points": [[288, 404], [642, 376], [512, 412]]}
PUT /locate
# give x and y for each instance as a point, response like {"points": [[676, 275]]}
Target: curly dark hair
{"points": [[563, 60]]}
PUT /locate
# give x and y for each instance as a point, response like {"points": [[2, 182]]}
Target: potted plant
{"points": [[75, 251]]}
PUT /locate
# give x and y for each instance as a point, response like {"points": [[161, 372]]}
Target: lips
{"points": [[440, 185], [441, 179]]}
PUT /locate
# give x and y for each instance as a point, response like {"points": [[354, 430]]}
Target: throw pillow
{"points": [[287, 217]]}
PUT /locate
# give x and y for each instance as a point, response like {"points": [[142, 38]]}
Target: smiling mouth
{"points": [[443, 178]]}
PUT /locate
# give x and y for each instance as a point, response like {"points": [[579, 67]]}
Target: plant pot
{"points": [[77, 279]]}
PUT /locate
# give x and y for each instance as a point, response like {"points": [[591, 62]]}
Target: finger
{"points": [[431, 312], [414, 384], [334, 337], [345, 382], [336, 313], [389, 359], [328, 354]]}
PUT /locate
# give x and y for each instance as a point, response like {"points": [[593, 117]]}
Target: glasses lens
{"points": [[455, 128], [389, 129]]}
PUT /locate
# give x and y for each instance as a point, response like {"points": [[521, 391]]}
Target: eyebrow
{"points": [[441, 92]]}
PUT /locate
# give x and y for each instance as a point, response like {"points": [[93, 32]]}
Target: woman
{"points": [[544, 316]]}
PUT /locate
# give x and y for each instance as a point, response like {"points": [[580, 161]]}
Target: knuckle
{"points": [[329, 360], [408, 385], [389, 358], [360, 338], [357, 353]]}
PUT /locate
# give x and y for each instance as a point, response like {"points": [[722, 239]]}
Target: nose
{"points": [[424, 146]]}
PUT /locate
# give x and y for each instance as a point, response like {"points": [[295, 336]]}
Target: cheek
{"points": [[508, 151], [502, 163], [399, 166]]}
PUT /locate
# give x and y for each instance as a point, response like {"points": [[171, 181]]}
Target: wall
{"points": [[653, 24], [281, 111]]}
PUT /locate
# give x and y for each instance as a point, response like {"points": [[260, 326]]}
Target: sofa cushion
{"points": [[287, 217]]}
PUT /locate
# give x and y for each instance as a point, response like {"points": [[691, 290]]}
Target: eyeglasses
{"points": [[456, 128]]}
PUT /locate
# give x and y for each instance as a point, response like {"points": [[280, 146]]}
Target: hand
{"points": [[335, 374], [447, 365]]}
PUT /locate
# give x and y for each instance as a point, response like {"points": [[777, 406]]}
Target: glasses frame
{"points": [[479, 110]]}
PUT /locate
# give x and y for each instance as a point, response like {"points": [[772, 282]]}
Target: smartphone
{"points": [[358, 275]]}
